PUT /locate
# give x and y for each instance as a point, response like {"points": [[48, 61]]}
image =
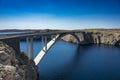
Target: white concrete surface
{"points": [[43, 51]]}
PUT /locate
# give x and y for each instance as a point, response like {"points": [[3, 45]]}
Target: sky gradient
{"points": [[59, 14]]}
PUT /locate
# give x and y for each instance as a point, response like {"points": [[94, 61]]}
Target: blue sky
{"points": [[59, 14]]}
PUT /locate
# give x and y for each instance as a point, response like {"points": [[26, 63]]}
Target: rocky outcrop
{"points": [[69, 38], [96, 37], [7, 72], [14, 66]]}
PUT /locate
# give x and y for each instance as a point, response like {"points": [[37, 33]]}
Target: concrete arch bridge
{"points": [[14, 41], [50, 44]]}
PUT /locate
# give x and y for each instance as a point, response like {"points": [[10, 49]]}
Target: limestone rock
{"points": [[7, 54], [15, 66], [69, 38], [7, 72], [111, 37]]}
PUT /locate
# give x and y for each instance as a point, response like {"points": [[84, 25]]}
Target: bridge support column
{"points": [[52, 36], [29, 43], [44, 43], [42, 52]]}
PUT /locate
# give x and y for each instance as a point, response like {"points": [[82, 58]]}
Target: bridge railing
{"points": [[22, 35]]}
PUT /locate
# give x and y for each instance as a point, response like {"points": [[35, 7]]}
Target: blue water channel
{"points": [[67, 61]]}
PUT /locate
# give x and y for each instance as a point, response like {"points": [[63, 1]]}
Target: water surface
{"points": [[67, 61]]}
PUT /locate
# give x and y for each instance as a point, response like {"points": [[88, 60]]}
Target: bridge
{"points": [[13, 40]]}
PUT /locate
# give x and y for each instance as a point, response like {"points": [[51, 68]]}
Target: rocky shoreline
{"points": [[14, 66], [109, 37], [17, 66]]}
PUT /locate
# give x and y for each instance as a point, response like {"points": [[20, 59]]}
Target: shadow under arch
{"points": [[73, 34], [72, 64], [117, 43]]}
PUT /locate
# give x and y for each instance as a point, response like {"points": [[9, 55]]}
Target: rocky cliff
{"points": [[111, 37], [14, 66]]}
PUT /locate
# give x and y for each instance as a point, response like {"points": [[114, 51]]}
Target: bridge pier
{"points": [[43, 51], [44, 43], [29, 47]]}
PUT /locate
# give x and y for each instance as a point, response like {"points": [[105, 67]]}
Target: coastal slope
{"points": [[14, 66], [111, 37]]}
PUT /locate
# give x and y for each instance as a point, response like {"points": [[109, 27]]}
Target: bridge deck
{"points": [[22, 35]]}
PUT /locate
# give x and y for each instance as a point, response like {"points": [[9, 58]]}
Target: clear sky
{"points": [[59, 14]]}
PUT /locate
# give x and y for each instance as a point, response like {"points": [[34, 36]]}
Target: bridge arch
{"points": [[50, 44], [72, 34]]}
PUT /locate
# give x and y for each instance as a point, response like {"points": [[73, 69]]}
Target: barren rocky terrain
{"points": [[14, 66], [100, 36], [17, 66]]}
